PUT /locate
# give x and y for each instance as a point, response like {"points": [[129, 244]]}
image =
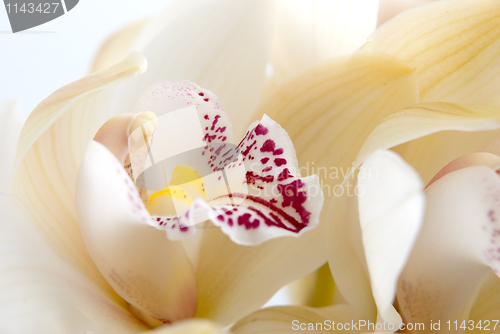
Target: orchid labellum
{"points": [[262, 199]]}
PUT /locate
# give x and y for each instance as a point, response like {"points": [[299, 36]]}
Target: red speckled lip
{"points": [[252, 192]]}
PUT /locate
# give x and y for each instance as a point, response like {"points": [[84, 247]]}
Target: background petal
{"points": [[453, 46], [425, 130], [50, 149], [42, 292], [457, 244]]}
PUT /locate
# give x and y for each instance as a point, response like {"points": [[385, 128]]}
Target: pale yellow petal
{"points": [[330, 109], [452, 45], [426, 127], [11, 122], [117, 46], [51, 147], [42, 292], [296, 319]]}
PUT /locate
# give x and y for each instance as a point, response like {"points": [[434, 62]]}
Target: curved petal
{"points": [[390, 8], [457, 246], [50, 149], [452, 45], [430, 120], [117, 46], [309, 32], [266, 198], [11, 122], [291, 319], [219, 44], [147, 270], [391, 212], [42, 292]]}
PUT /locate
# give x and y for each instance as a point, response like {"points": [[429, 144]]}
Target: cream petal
{"points": [[452, 45], [309, 32], [11, 122], [221, 45], [50, 149], [429, 148], [293, 319], [117, 46], [147, 270], [457, 246], [42, 292], [391, 212]]}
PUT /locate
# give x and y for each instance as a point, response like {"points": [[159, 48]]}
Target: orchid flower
{"points": [[440, 103], [65, 265]]}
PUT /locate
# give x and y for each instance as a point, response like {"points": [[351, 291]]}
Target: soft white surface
{"points": [[37, 61]]}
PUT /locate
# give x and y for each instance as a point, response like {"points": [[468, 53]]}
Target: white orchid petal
{"points": [[150, 272], [50, 149], [452, 45], [117, 46], [293, 319], [391, 212], [457, 243], [390, 8], [42, 292], [426, 127], [11, 122], [265, 200], [309, 32], [221, 45]]}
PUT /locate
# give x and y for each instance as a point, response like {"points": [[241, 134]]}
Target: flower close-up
{"points": [[341, 156]]}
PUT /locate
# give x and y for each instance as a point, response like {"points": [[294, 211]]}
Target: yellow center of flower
{"points": [[185, 186]]}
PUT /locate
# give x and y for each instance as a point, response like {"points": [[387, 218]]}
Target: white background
{"points": [[35, 62]]}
